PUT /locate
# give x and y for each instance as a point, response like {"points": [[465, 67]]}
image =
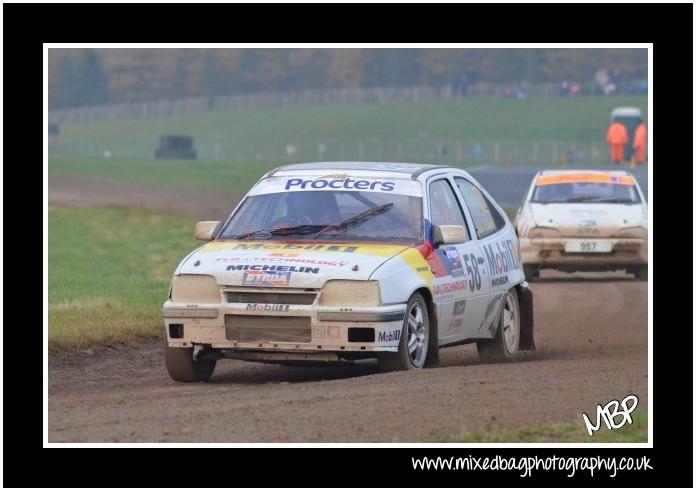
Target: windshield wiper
{"points": [[298, 230], [615, 200], [357, 219], [579, 199]]}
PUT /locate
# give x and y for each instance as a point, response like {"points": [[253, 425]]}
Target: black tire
{"points": [[403, 359], [499, 348], [531, 271], [183, 368], [641, 272]]}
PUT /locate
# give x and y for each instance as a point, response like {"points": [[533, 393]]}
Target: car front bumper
{"points": [[294, 328], [552, 252]]}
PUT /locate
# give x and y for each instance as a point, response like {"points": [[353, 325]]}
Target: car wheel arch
{"points": [[433, 341], [525, 300]]}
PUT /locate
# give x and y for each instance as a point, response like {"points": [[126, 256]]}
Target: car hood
{"points": [[271, 264], [578, 219]]}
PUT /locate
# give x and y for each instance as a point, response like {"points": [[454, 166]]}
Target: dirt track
{"points": [[591, 331], [590, 351]]}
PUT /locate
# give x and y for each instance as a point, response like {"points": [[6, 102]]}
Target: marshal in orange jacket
{"points": [[640, 141], [617, 137], [617, 134]]}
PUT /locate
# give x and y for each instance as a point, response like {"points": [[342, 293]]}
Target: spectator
{"points": [[477, 152], [522, 91], [616, 77], [461, 85], [565, 88], [617, 137], [571, 154], [601, 79]]}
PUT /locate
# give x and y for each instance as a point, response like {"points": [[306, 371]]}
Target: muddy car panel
{"points": [[308, 296]]}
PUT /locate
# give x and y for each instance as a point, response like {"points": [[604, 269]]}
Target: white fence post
{"points": [[595, 154]]}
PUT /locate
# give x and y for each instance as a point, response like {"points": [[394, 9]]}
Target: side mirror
{"points": [[207, 230], [449, 234]]}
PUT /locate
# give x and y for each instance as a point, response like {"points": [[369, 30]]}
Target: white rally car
{"points": [[584, 221], [337, 262]]}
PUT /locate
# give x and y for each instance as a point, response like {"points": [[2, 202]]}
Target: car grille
{"points": [[300, 298], [267, 328]]}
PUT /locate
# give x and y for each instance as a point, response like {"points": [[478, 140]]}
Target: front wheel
{"points": [[506, 343], [415, 334], [183, 368]]}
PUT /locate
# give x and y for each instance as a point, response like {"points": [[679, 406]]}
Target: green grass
{"points": [[109, 271], [254, 142], [572, 118], [568, 432], [262, 135], [237, 176]]}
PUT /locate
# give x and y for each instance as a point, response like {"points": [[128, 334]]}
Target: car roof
{"points": [[408, 169], [580, 171], [625, 111]]}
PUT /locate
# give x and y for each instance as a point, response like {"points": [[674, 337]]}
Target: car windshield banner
{"points": [[588, 177], [338, 182]]}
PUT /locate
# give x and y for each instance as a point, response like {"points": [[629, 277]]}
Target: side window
{"points": [[444, 207], [486, 218]]}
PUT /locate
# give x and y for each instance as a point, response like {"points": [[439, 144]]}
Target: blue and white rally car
{"points": [[337, 262]]}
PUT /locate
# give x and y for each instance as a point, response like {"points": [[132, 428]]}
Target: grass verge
{"points": [[245, 133], [201, 174], [109, 271], [253, 142], [568, 432]]}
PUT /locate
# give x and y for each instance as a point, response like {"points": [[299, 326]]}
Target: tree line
{"points": [[86, 77]]}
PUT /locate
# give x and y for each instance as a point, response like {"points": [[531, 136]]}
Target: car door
{"points": [[461, 285], [498, 244]]}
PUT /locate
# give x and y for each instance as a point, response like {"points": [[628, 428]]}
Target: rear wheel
{"points": [[505, 345], [415, 334], [183, 368]]}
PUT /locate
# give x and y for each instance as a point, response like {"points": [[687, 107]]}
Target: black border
{"points": [[26, 27]]}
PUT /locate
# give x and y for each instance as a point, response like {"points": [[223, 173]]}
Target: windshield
{"points": [[585, 192], [340, 215]]}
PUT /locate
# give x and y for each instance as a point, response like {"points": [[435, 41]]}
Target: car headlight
{"points": [[353, 293], [632, 233], [543, 233], [195, 288]]}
